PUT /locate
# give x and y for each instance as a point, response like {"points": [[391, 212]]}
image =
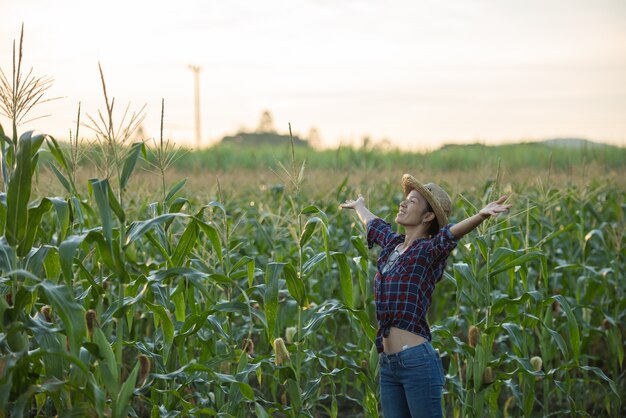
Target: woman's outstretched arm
{"points": [[468, 224], [359, 206]]}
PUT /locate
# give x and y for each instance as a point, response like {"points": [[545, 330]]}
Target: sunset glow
{"points": [[418, 73]]}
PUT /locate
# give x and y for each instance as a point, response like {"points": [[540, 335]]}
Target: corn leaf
{"points": [[345, 278], [123, 398], [186, 244], [101, 193], [166, 325], [108, 366], [175, 189], [71, 313], [572, 326], [295, 285], [34, 219], [130, 162], [19, 188], [272, 274]]}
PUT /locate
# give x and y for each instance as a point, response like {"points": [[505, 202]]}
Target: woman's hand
{"points": [[468, 224], [494, 208], [352, 204], [359, 206]]}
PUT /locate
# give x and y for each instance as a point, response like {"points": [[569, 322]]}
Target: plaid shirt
{"points": [[404, 292]]}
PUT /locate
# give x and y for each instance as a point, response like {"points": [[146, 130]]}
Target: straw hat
{"points": [[435, 195]]}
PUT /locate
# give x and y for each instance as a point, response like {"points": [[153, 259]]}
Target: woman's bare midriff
{"points": [[399, 338]]}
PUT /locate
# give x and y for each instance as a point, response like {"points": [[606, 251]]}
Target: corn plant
{"points": [[258, 301]]}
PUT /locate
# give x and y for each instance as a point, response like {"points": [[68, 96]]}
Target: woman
{"points": [[409, 266]]}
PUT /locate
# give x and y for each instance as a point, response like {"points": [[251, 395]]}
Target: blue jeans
{"points": [[411, 383]]}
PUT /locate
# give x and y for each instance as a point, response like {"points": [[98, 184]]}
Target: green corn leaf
{"points": [[34, 219], [122, 403], [295, 285], [572, 326], [175, 207], [260, 411], [77, 211], [7, 256], [318, 317], [463, 274], [139, 228], [62, 179], [272, 274], [309, 228], [35, 260], [213, 236], [312, 262], [19, 188], [62, 210], [3, 212], [67, 251], [519, 261], [499, 256], [97, 394], [193, 323], [214, 204], [108, 365], [166, 324], [558, 339], [52, 265], [295, 395], [525, 363], [115, 205], [101, 193], [130, 162], [57, 152], [178, 299], [54, 343], [186, 244], [549, 237], [345, 278], [310, 210], [178, 204], [246, 390], [478, 366], [241, 261], [358, 243], [503, 303], [175, 189], [71, 313], [251, 271], [366, 325], [598, 372], [515, 336]]}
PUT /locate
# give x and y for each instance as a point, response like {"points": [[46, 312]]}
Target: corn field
{"points": [[260, 302]]}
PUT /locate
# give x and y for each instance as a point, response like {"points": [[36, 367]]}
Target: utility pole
{"points": [[196, 78]]}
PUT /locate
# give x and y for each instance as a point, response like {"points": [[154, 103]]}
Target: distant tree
{"points": [[266, 124], [314, 138], [140, 134]]}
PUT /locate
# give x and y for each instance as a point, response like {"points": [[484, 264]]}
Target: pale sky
{"points": [[420, 73]]}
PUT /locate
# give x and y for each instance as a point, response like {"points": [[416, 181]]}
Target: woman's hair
{"points": [[434, 224]]}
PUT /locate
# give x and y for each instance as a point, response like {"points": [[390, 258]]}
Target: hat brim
{"points": [[410, 183]]}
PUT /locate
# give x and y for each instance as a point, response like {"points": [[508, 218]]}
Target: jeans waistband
{"points": [[424, 349]]}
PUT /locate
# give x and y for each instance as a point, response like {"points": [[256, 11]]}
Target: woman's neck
{"points": [[414, 233]]}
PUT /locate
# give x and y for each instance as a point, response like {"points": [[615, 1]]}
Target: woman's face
{"points": [[412, 210]]}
